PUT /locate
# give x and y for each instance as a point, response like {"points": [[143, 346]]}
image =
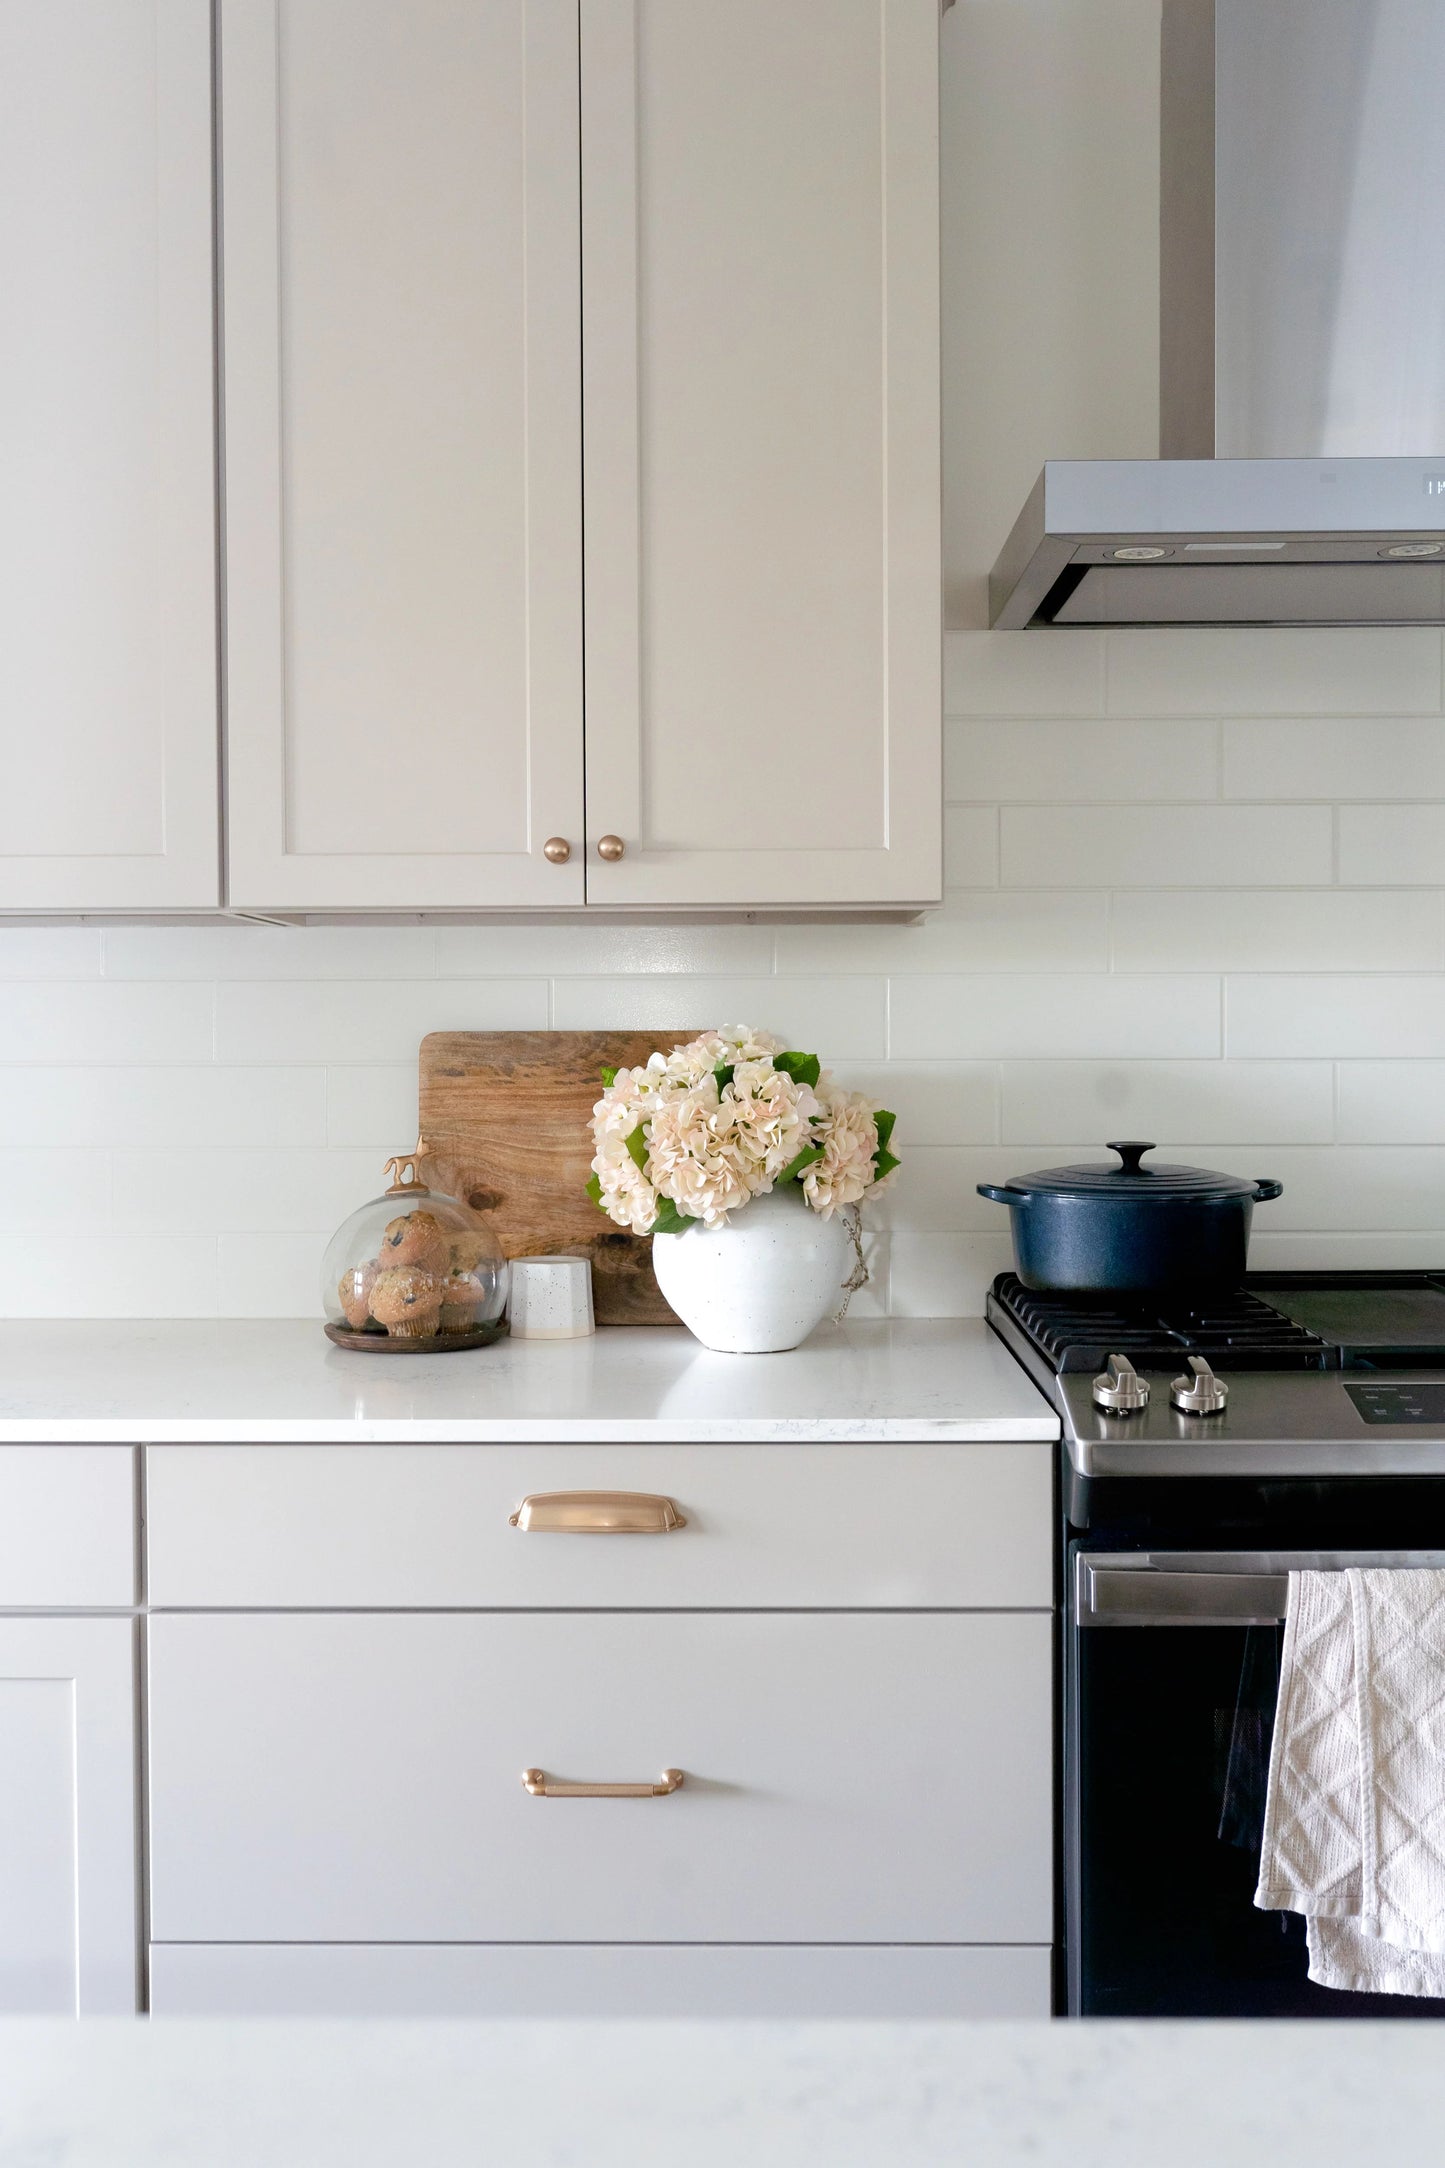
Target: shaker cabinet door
{"points": [[69, 1935], [761, 431], [107, 451], [402, 453]]}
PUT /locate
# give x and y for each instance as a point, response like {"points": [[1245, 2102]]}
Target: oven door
{"points": [[1173, 1666]]}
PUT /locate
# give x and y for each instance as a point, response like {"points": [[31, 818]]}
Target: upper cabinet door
{"points": [[107, 502], [761, 431], [401, 452]]}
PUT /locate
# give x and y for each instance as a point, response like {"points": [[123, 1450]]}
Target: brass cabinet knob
{"points": [[558, 849], [610, 847]]}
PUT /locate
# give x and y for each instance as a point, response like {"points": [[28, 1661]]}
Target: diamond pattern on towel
{"points": [[1354, 1833]]}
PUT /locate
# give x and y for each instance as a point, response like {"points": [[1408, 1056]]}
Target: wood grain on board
{"points": [[505, 1116]]}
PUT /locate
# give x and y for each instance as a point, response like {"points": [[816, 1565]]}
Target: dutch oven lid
{"points": [[1097, 1178]]}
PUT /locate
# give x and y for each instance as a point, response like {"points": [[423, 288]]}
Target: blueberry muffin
{"points": [[407, 1301]]}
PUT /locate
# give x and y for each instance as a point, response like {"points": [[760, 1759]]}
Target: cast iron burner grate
{"points": [[1234, 1328]]}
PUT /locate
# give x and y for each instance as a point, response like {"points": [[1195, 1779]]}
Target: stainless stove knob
{"points": [[1120, 1388], [1199, 1391]]}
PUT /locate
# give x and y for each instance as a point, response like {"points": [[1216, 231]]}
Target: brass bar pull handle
{"points": [[542, 1786], [596, 1513]]}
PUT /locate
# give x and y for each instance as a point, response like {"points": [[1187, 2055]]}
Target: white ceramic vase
{"points": [[761, 1283]]}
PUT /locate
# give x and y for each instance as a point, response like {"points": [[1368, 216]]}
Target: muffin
{"points": [[416, 1238], [354, 1292], [462, 1300], [407, 1301]]}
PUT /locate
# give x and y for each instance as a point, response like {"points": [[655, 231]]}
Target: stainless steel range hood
{"points": [[1302, 341]]}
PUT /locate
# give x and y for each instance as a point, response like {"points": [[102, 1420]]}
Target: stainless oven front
{"points": [[1171, 1672]]}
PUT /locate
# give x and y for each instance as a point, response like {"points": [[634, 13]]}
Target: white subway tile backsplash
{"points": [[838, 1018], [181, 1106], [560, 950], [1392, 845], [226, 1190], [1351, 1188], [1392, 1102], [50, 952], [274, 1272], [1317, 756], [1383, 1251], [937, 1102], [1079, 762], [50, 1188], [1174, 846], [369, 1108], [993, 930], [981, 1017], [1219, 1102], [1342, 1018], [269, 952], [945, 1275], [997, 673], [124, 1272], [970, 846], [355, 1020], [57, 1022], [1245, 929], [1384, 670]]}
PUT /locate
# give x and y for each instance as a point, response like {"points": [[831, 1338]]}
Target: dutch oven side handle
{"points": [[1264, 1190], [996, 1195]]}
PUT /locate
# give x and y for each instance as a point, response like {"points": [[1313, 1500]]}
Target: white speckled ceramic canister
{"points": [[551, 1298], [763, 1282]]}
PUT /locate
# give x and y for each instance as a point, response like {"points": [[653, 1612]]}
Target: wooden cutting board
{"points": [[505, 1117]]}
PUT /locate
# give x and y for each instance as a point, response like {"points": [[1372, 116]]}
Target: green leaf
{"points": [[800, 1163], [594, 1191], [609, 1078], [669, 1220], [883, 1163], [637, 1147], [802, 1068], [724, 1075], [883, 1122]]}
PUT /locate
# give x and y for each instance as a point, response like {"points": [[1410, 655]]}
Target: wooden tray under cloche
{"points": [[381, 1342]]}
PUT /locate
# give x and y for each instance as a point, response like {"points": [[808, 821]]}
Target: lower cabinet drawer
{"points": [[67, 1526], [612, 1980], [847, 1778]]}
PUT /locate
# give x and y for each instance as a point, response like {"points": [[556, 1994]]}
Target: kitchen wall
{"points": [[1196, 880]]}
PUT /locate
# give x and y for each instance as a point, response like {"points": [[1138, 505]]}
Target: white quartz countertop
{"points": [[261, 2094], [282, 1382]]}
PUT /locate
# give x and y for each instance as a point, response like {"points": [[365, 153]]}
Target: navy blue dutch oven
{"points": [[1130, 1229]]}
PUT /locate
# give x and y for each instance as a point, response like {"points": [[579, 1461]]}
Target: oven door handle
{"points": [[1177, 1590], [1135, 1596]]}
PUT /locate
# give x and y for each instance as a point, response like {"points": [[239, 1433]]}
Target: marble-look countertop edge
{"points": [[212, 1430]]}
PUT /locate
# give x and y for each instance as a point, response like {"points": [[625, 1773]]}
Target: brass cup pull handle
{"points": [[595, 1513], [542, 1786]]}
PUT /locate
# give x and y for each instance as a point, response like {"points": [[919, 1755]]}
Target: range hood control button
{"points": [[1199, 1391], [1120, 1388]]}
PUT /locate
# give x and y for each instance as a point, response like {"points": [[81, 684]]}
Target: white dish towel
{"points": [[1354, 1824]]}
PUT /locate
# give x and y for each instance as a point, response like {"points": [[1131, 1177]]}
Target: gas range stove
{"points": [[1294, 1374]]}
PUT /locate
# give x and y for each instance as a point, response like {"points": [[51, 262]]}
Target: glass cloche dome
{"points": [[413, 1269]]}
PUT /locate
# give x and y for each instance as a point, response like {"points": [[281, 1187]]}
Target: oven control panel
{"points": [[1419, 1403]]}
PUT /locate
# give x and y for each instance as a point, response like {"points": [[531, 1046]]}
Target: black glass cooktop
{"points": [[1275, 1321]]}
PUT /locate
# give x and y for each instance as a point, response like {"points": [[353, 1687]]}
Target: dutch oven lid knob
{"points": [[1131, 1154]]}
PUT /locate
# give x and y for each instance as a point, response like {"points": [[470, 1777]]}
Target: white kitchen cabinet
{"points": [[434, 274], [761, 398], [402, 452], [108, 703], [67, 1817], [848, 1777], [417, 1527], [612, 1980]]}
